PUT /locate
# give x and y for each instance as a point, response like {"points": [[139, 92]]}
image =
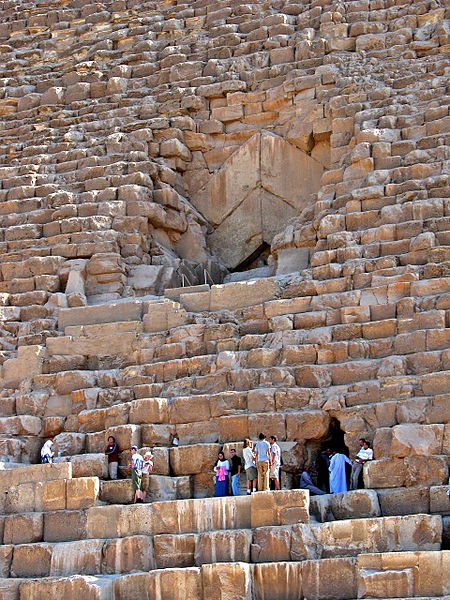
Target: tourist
{"points": [[221, 469], [236, 466], [306, 483], [323, 475], [365, 454], [262, 451], [338, 476], [47, 452], [112, 452], [136, 473], [147, 468], [249, 466], [275, 461]]}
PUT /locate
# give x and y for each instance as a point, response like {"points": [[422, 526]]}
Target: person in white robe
{"points": [[338, 477]]}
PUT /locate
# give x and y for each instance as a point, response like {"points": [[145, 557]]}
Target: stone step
{"points": [[263, 544], [399, 574]]}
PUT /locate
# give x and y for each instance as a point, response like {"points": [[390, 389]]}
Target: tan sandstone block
{"points": [[174, 550], [223, 546], [222, 581], [82, 492]]}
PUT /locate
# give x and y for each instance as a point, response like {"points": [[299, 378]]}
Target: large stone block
{"points": [[177, 584], [227, 581], [223, 546], [31, 560], [174, 550], [279, 508], [133, 553], [332, 578], [82, 492], [83, 557], [23, 529], [63, 526], [271, 544], [280, 581], [189, 460]]}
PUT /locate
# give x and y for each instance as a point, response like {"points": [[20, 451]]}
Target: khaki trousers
{"points": [[263, 476]]}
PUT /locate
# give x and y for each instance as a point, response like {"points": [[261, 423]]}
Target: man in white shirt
{"points": [[365, 454], [275, 461], [136, 465], [262, 452]]}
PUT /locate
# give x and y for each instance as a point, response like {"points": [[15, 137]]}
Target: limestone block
{"points": [[27, 364], [105, 521], [275, 423], [277, 581], [304, 545], [271, 544], [133, 553], [169, 488], [242, 294], [174, 550], [149, 410], [411, 439], [62, 526], [119, 491], [432, 573], [161, 435], [385, 473], [31, 560], [222, 581], [20, 498], [23, 529], [332, 578], [307, 425], [34, 473], [50, 495], [130, 310], [89, 465], [189, 460], [283, 507], [83, 557], [189, 410], [70, 443], [89, 588], [292, 260], [357, 503], [223, 546], [82, 492], [177, 584], [425, 470], [439, 499], [388, 583], [22, 425], [404, 501]]}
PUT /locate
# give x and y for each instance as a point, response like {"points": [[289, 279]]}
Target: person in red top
{"points": [[112, 452]]}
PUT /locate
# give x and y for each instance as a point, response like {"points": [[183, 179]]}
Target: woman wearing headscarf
{"points": [[221, 469], [47, 452]]}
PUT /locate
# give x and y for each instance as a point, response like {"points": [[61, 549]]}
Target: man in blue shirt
{"points": [[262, 451]]}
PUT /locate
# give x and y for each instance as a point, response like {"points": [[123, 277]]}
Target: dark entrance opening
{"points": [[257, 259], [317, 453]]}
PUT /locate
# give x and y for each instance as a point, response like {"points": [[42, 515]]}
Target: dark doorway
{"points": [[257, 259], [317, 456]]}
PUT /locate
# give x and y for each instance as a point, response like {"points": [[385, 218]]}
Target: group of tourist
{"points": [[337, 472], [261, 462]]}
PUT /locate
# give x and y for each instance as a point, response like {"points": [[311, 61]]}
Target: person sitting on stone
{"points": [[147, 468], [365, 454], [112, 452], [136, 473], [47, 453], [306, 483]]}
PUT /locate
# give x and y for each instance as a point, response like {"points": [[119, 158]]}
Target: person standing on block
{"points": [[250, 466], [365, 454], [147, 468], [136, 465], [275, 461], [221, 469], [112, 452], [262, 451], [338, 476], [236, 466]]}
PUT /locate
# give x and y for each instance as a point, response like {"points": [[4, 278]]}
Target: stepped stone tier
{"points": [[217, 219]]}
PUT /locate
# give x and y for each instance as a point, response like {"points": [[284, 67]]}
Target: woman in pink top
{"points": [[221, 469]]}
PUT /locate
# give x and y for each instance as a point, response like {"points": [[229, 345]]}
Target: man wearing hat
{"points": [[136, 473]]}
